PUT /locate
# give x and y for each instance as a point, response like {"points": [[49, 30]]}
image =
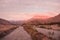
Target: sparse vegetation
{"points": [[34, 33], [42, 26]]}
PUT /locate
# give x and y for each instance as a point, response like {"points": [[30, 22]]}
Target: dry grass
{"points": [[6, 27], [53, 27]]}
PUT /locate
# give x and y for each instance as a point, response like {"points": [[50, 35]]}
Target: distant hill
{"points": [[38, 20], [3, 21], [55, 19], [20, 22]]}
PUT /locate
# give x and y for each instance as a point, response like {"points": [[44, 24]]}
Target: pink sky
{"points": [[25, 9]]}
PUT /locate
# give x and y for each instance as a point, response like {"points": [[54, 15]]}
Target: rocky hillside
{"points": [[55, 19], [3, 21]]}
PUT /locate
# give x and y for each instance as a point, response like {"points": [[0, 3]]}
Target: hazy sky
{"points": [[25, 9]]}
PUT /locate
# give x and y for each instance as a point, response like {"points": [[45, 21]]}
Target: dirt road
{"points": [[18, 34]]}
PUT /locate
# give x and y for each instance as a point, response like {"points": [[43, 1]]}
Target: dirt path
{"points": [[18, 34]]}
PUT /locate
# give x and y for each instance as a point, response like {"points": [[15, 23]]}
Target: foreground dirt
{"points": [[35, 34], [54, 34], [27, 32]]}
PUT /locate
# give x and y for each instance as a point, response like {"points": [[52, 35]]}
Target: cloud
{"points": [[28, 5], [13, 9]]}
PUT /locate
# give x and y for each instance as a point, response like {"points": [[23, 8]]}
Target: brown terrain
{"points": [[36, 28], [6, 27], [35, 35], [52, 23], [54, 19]]}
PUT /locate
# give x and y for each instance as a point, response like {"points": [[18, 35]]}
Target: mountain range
{"points": [[3, 21], [34, 20], [46, 20]]}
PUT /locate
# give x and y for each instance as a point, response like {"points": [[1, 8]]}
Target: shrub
{"points": [[42, 26]]}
